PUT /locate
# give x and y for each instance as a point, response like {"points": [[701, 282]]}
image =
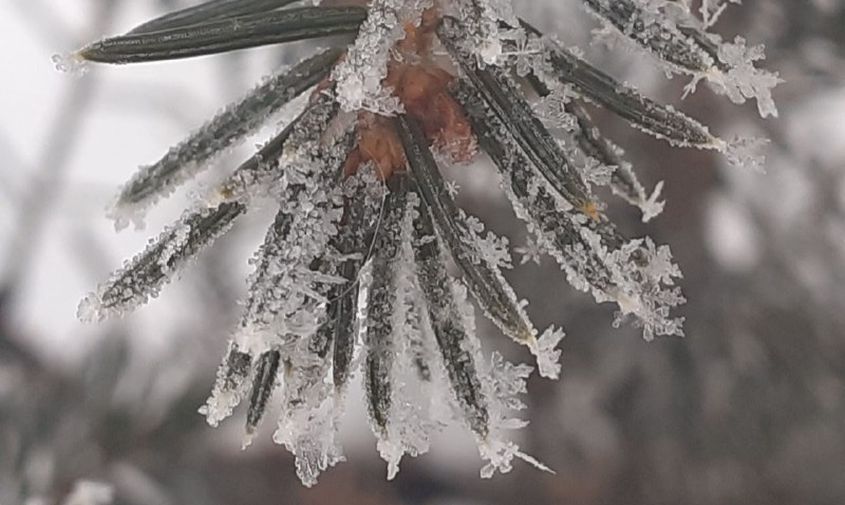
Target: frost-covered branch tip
{"points": [[353, 276]]}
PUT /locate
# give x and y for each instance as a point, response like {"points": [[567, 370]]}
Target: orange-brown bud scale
{"points": [[423, 90], [378, 143]]}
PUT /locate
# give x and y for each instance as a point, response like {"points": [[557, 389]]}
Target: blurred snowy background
{"points": [[748, 408]]}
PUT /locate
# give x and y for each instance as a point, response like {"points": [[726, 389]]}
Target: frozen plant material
{"points": [[262, 387], [623, 180], [485, 403], [480, 257], [227, 34], [222, 133], [209, 11], [393, 322], [370, 267], [308, 421], [142, 277], [230, 386], [361, 73], [483, 26], [594, 257], [683, 44], [661, 121], [287, 294], [516, 115]]}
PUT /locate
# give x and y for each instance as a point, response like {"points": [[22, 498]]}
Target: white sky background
{"points": [[137, 113]]}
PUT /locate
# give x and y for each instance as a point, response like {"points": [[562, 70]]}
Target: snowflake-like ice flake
{"points": [[744, 80]]}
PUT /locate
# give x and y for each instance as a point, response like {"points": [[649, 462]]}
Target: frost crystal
{"points": [[503, 383], [287, 294], [141, 278], [590, 251], [396, 345], [71, 63], [359, 76], [672, 34], [229, 127], [230, 386], [307, 426], [554, 109], [484, 18], [484, 401], [743, 80], [547, 352]]}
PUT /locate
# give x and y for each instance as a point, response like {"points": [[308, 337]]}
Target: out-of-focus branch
{"points": [[47, 181], [9, 182], [45, 21]]}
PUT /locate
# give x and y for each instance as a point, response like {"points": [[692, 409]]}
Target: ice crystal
{"points": [[743, 80], [554, 109], [230, 386], [141, 278], [592, 256], [72, 64], [484, 18], [670, 32], [406, 427], [307, 425], [224, 131], [359, 76], [354, 276]]}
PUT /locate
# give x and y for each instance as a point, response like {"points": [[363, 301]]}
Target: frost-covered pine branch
{"points": [[353, 276]]}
